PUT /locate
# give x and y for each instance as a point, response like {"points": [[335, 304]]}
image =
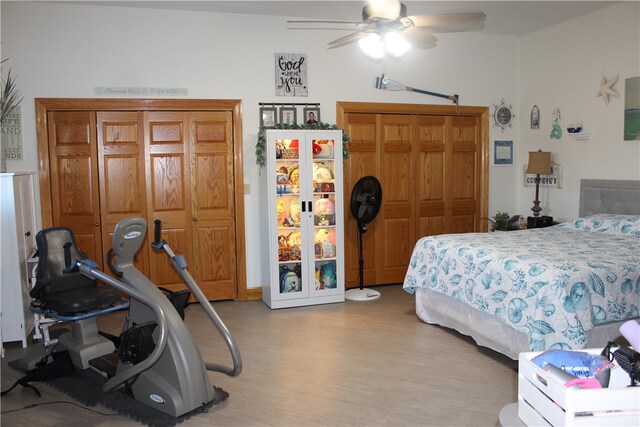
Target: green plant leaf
{"points": [[10, 96], [261, 143]]}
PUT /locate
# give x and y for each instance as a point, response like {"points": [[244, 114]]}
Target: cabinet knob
{"points": [[194, 219], [97, 224]]}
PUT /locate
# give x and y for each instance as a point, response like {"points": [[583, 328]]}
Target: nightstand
{"points": [[540, 221]]}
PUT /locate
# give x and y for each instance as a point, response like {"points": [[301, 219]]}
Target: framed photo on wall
{"points": [[503, 153], [268, 116], [311, 115], [288, 115]]}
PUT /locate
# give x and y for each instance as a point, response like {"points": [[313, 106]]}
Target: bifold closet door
{"points": [[75, 196], [168, 184], [465, 180], [363, 161], [121, 170], [190, 182], [212, 203], [398, 175]]}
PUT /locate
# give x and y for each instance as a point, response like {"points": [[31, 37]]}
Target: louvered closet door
{"points": [[74, 178], [212, 203], [362, 130], [397, 176], [121, 169], [168, 182]]}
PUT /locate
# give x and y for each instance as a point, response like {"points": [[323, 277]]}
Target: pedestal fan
{"points": [[366, 198]]}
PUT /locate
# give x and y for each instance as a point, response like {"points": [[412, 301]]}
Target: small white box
{"points": [[543, 400]]}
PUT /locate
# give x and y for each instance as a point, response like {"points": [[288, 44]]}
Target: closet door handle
{"points": [[304, 208], [310, 206]]}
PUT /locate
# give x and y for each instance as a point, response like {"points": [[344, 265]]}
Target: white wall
{"points": [[63, 50], [561, 66]]}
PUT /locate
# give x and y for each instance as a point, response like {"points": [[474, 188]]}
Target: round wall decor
{"points": [[502, 115]]}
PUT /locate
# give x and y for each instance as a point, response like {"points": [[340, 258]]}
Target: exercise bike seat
{"points": [[65, 293]]}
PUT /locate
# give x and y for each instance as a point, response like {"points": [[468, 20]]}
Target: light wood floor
{"points": [[355, 363]]}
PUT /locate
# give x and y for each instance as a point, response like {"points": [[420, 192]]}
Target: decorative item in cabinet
{"points": [[305, 218]]}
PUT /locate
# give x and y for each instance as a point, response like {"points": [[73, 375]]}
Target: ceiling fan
{"points": [[386, 28]]}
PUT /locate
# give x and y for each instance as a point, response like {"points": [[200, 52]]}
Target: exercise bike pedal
{"points": [[105, 365]]}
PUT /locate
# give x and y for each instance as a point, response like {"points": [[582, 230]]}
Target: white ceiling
{"points": [[503, 17]]}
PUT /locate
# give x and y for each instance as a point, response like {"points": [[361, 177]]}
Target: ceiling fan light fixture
{"points": [[372, 46], [395, 44], [375, 46]]}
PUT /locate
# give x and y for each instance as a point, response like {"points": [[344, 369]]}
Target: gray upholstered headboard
{"points": [[609, 196]]}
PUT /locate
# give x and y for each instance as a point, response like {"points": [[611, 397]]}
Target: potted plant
{"points": [[503, 222], [9, 99], [499, 222]]}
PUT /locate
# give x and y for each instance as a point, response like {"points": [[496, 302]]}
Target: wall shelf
{"points": [[580, 136]]}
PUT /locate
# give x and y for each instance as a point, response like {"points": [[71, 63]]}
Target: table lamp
{"points": [[539, 163]]}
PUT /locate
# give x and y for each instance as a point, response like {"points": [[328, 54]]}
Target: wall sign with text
{"points": [[554, 179], [291, 74], [12, 135]]}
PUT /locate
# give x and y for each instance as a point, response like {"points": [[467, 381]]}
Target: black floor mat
{"points": [[86, 388]]}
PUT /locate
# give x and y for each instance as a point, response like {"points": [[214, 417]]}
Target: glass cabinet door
{"points": [[289, 218], [324, 215]]}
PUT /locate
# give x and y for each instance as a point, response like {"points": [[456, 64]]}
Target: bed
{"points": [[568, 286]]}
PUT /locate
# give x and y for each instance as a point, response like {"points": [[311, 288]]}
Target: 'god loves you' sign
{"points": [[291, 74]]}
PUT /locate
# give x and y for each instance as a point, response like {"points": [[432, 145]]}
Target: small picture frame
{"points": [[503, 153], [288, 115], [311, 115], [268, 116]]}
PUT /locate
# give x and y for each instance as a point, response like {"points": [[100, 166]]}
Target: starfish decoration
{"points": [[606, 89]]}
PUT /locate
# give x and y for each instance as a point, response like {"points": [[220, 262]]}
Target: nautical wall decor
{"points": [[502, 115], [606, 89]]}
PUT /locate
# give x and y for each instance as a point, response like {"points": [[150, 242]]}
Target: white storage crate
{"points": [[543, 400]]}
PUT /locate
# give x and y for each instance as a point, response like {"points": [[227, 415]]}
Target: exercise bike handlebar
{"points": [[181, 267], [89, 269], [157, 243]]}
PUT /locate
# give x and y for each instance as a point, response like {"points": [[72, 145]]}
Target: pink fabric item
{"points": [[584, 383]]}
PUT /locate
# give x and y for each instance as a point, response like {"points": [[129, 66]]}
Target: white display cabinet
{"points": [[306, 226], [17, 230]]}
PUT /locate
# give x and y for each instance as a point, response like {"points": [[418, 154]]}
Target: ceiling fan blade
{"points": [[324, 22], [348, 39], [382, 9], [420, 37], [450, 22]]}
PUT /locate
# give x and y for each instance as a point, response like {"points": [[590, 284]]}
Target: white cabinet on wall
{"points": [[306, 227], [17, 232]]}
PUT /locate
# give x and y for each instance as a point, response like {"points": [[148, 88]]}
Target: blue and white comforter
{"points": [[554, 284]]}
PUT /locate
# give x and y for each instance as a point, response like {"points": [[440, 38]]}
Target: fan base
{"points": [[361, 294]]}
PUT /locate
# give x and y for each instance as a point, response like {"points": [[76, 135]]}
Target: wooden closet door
{"points": [[362, 161], [74, 178], [121, 166], [397, 176], [168, 181], [212, 203], [464, 180], [431, 192]]}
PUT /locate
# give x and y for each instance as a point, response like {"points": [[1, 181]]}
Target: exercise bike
{"points": [[157, 360]]}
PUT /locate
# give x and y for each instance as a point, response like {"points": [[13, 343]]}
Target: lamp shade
{"points": [[539, 162]]}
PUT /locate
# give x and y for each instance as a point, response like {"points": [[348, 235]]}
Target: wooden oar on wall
{"points": [[387, 84]]}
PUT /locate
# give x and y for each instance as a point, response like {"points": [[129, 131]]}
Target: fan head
{"points": [[366, 199]]}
